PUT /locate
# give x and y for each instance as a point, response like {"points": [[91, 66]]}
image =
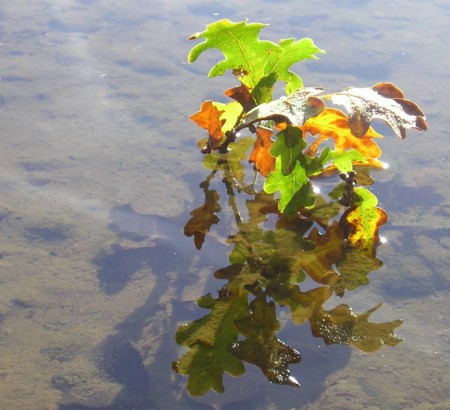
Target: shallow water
{"points": [[100, 169]]}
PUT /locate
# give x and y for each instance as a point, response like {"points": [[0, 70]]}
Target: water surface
{"points": [[100, 169]]}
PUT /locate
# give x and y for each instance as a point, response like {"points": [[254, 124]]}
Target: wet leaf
{"points": [[342, 326], [250, 58], [209, 118], [384, 101], [302, 304], [260, 154], [333, 123], [208, 340], [319, 262], [292, 172], [354, 267], [294, 109], [261, 346], [362, 221], [323, 211], [203, 218], [231, 162]]}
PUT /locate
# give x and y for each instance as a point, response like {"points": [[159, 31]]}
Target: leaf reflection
{"points": [[270, 258]]}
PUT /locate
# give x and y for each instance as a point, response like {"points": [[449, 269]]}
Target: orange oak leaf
{"points": [[333, 123], [209, 118], [260, 155]]}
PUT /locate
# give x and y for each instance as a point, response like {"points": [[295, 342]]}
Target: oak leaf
{"points": [[319, 263], [333, 123], [260, 154], [384, 101], [209, 118], [362, 221], [342, 326], [242, 96], [208, 339], [294, 109], [250, 58], [262, 348], [203, 218]]}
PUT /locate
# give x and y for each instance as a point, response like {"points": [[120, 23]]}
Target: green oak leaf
{"points": [[302, 304], [354, 267], [294, 51], [295, 189], [208, 339], [262, 93], [250, 58], [363, 220], [292, 171], [344, 160]]}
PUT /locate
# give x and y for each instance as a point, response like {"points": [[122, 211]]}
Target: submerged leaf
{"points": [[208, 339], [261, 346], [319, 262], [203, 218], [342, 326], [302, 304], [384, 101], [354, 267]]}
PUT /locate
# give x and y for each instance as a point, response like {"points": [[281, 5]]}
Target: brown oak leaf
{"points": [[242, 96]]}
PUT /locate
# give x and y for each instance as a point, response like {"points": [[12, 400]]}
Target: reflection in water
{"points": [[271, 256]]}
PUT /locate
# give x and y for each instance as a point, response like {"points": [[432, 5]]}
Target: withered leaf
{"points": [[294, 109], [242, 96], [384, 101], [260, 154], [209, 118]]}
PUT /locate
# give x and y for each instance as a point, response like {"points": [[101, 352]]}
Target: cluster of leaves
{"points": [[331, 241], [286, 159], [268, 262]]}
